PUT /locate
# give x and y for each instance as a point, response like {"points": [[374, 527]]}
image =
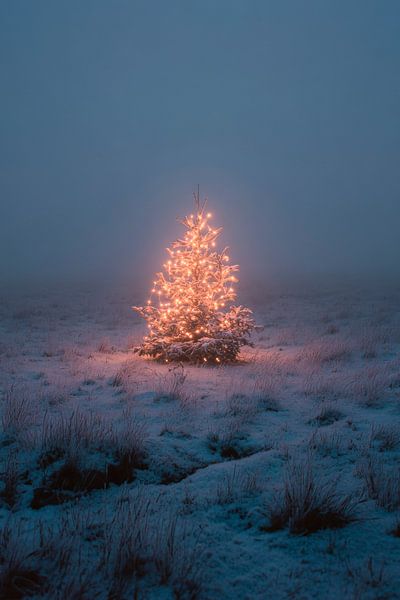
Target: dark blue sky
{"points": [[286, 113]]}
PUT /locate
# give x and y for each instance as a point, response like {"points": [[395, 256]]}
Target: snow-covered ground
{"points": [[277, 477]]}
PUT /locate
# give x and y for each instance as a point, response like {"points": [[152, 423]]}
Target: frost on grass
{"points": [[81, 452], [124, 479], [139, 544]]}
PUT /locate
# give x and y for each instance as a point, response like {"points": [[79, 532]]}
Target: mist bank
{"points": [[253, 288]]}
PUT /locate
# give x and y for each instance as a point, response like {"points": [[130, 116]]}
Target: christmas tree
{"points": [[191, 319]]}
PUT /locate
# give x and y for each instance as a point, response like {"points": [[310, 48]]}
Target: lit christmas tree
{"points": [[191, 319]]}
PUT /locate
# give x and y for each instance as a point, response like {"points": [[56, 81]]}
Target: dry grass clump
{"points": [[173, 387], [236, 483], [105, 346], [369, 386], [307, 504], [327, 443], [138, 544], [395, 531], [316, 383], [24, 558], [230, 440], [68, 434], [130, 440], [386, 437], [267, 384], [321, 352], [370, 574], [78, 431], [258, 391], [327, 414], [19, 574], [177, 556], [9, 477], [242, 406], [17, 414], [369, 343], [123, 378], [126, 542], [145, 539], [381, 481]]}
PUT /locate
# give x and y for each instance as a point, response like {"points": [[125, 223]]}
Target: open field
{"points": [[277, 477]]}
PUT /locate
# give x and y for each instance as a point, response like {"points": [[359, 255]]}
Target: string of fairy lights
{"points": [[189, 313], [195, 276]]}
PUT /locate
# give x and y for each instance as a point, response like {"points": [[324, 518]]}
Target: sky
{"points": [[286, 113]]}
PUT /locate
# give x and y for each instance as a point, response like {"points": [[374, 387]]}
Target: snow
{"points": [[321, 386]]}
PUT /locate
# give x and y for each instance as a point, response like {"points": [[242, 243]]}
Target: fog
{"points": [[286, 114]]}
